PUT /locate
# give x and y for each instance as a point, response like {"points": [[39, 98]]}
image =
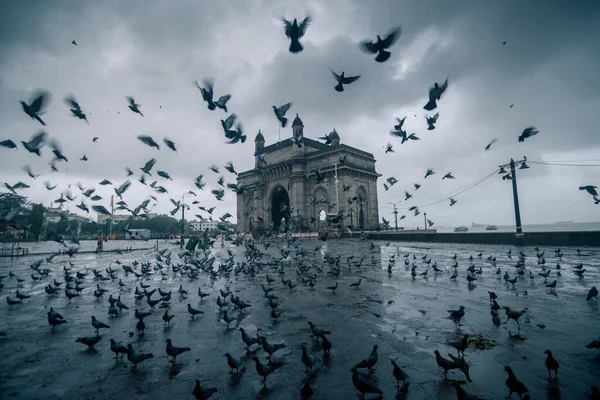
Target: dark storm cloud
{"points": [[153, 50]]}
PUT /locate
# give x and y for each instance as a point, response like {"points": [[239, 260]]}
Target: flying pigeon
{"points": [[76, 109], [431, 121], [295, 32], [36, 108], [133, 106], [343, 80], [170, 144], [528, 132], [494, 140], [9, 144], [280, 113], [435, 93], [381, 45], [207, 93], [590, 189], [149, 141], [222, 102], [400, 123]]}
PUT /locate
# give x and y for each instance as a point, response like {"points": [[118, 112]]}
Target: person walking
{"points": [[99, 243]]}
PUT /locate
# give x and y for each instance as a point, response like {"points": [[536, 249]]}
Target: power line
{"points": [[570, 161], [563, 164], [453, 194]]}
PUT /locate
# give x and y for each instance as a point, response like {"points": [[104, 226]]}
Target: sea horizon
{"points": [[551, 227]]}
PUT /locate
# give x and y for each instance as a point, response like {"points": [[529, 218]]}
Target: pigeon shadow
{"points": [[236, 377], [174, 370]]}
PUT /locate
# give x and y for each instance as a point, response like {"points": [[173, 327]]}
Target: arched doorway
{"points": [[280, 207]]}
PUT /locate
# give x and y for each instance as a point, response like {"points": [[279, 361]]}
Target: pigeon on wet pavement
{"points": [[118, 348], [98, 324], [400, 375], [54, 320], [137, 358], [317, 332], [248, 340], [265, 370], [307, 359], [89, 341], [362, 384], [593, 293], [456, 315], [271, 348], [461, 345], [551, 364], [175, 351], [448, 365], [193, 312], [370, 361], [233, 362], [513, 384]]}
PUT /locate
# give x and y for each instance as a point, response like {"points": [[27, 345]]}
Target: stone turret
{"points": [[259, 145], [335, 138], [298, 127]]}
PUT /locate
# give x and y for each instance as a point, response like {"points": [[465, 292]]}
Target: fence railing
{"points": [[13, 250]]}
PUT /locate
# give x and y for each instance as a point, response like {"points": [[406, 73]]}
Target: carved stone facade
{"points": [[285, 167]]}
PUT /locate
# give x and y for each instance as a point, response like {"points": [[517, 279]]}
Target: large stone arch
{"points": [[278, 195], [320, 193], [362, 210]]}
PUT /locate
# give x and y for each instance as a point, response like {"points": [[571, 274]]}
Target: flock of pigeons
{"points": [[232, 130], [74, 282], [289, 259]]}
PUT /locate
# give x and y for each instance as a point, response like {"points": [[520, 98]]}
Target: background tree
{"points": [[36, 220]]}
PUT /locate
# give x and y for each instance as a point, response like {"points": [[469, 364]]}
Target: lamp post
{"points": [[395, 214], [183, 206], [425, 220], [512, 176]]}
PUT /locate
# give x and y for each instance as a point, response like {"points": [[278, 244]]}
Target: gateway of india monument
{"points": [[299, 178]]}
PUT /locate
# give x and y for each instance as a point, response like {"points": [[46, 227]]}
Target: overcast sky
{"points": [[153, 50]]}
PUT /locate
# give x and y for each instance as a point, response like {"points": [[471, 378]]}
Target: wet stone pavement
{"points": [[404, 316]]}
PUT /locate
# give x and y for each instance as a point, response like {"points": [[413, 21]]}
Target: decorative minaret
{"points": [[259, 145], [298, 127]]}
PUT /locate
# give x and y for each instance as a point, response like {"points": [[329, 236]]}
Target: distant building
{"points": [[102, 218], [137, 234], [200, 226], [53, 214], [56, 214]]}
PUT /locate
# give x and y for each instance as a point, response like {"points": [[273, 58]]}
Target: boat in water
{"points": [[491, 228], [461, 229]]}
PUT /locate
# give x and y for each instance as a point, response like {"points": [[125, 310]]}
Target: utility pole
{"points": [[519, 235], [425, 218]]}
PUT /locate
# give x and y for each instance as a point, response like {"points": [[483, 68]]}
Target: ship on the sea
{"points": [[474, 225], [461, 229], [491, 228]]}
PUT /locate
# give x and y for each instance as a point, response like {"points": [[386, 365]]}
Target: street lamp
{"points": [[395, 214], [183, 206], [512, 176]]}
